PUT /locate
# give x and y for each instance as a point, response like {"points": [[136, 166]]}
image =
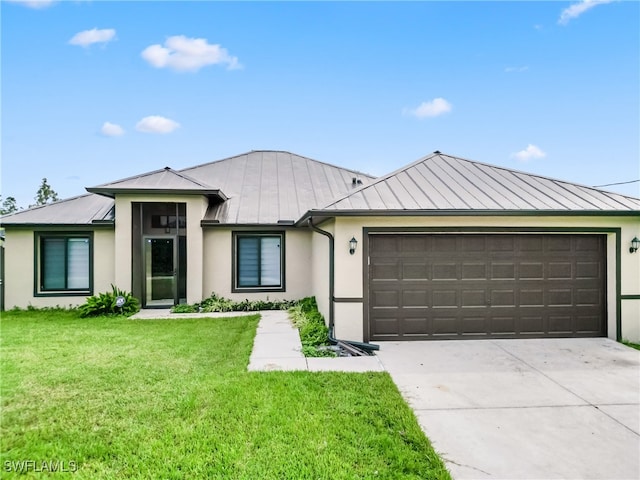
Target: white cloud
{"points": [[433, 108], [89, 37], [530, 153], [156, 124], [577, 9], [188, 54], [34, 3], [524, 68], [111, 130]]}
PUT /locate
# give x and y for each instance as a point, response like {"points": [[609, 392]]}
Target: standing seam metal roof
{"points": [[443, 182]]}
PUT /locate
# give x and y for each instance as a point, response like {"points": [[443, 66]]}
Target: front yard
{"points": [[117, 398]]}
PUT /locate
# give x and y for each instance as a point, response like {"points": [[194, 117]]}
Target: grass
{"points": [[172, 399], [631, 344]]}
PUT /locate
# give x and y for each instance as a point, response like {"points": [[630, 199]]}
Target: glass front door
{"points": [[160, 272]]}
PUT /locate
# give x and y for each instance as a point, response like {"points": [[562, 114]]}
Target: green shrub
{"points": [[313, 331], [185, 308], [220, 304], [105, 304]]}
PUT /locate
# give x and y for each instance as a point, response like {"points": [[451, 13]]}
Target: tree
{"points": [[8, 206], [45, 194]]}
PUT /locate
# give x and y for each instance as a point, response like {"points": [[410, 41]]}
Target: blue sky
{"points": [[93, 91]]}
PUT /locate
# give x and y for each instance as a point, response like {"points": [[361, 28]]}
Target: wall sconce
{"points": [[635, 243], [353, 244]]}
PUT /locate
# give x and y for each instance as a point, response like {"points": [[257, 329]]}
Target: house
{"points": [[444, 248]]}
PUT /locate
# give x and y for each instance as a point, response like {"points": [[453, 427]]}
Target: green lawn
{"points": [[172, 399]]}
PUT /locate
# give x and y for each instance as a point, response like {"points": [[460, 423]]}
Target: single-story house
{"points": [[443, 248]]}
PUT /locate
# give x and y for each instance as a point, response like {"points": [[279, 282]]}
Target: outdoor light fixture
{"points": [[635, 243], [353, 243]]}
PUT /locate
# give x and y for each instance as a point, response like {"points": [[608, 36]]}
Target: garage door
{"points": [[485, 286]]}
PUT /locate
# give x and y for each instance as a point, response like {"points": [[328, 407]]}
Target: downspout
{"points": [[360, 345], [331, 271]]}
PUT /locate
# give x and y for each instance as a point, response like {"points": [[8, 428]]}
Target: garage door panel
{"points": [[503, 298], [386, 298], [474, 325], [415, 298], [558, 243], [531, 271], [503, 271], [415, 243], [531, 297], [385, 271], [502, 325], [500, 243], [474, 271], [412, 270], [416, 326], [587, 270], [445, 271], [560, 324], [444, 299], [531, 243], [588, 297], [495, 286], [473, 298], [560, 297]]}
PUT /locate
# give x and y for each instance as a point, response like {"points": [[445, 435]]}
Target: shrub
{"points": [[105, 304], [185, 308], [313, 331], [220, 304]]}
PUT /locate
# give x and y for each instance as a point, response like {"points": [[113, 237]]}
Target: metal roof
{"points": [[440, 182], [166, 180], [271, 187], [82, 210], [267, 187]]}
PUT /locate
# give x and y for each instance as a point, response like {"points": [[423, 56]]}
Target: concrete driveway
{"points": [[516, 409]]}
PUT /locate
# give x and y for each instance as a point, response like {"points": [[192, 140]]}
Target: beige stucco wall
{"points": [[349, 268], [196, 208], [217, 262], [19, 269]]}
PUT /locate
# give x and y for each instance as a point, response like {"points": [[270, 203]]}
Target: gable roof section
{"points": [[270, 187], [165, 180], [444, 183], [82, 210]]}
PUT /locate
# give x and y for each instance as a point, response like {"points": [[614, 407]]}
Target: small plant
{"points": [[216, 303], [185, 308], [107, 304], [313, 331]]}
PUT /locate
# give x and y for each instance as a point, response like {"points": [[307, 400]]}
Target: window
{"points": [[259, 262], [64, 263]]}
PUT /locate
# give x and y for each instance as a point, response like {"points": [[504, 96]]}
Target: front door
{"points": [[160, 272]]}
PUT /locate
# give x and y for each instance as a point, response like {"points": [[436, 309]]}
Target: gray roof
{"points": [[82, 210], [267, 187], [440, 182], [270, 187], [166, 180]]}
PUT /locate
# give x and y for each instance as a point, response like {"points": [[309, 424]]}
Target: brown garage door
{"points": [[486, 286]]}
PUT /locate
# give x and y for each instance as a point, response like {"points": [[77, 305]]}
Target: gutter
{"points": [[356, 346]]}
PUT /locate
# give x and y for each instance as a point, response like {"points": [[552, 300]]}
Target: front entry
{"points": [[160, 272], [159, 259]]}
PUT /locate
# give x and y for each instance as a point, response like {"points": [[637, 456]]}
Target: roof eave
{"points": [[464, 213], [112, 192]]}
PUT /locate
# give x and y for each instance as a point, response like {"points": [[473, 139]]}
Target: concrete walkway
{"points": [[277, 344], [277, 347]]}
